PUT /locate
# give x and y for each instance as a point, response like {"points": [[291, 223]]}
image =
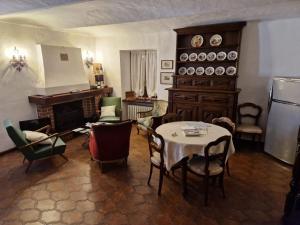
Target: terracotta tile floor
{"points": [[76, 192]]}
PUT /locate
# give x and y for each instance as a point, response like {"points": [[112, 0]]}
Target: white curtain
{"points": [[138, 69], [151, 72]]}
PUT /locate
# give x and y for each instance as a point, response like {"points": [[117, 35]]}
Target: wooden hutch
{"points": [[204, 97]]}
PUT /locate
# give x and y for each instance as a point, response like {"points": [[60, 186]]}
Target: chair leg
{"points": [[150, 174], [28, 167], [125, 161], [227, 168], [221, 183], [206, 184], [161, 177], [138, 130], [64, 157]]}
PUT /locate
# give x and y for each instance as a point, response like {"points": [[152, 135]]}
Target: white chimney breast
{"points": [[62, 70]]}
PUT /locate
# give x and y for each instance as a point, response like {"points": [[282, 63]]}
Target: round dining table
{"points": [[179, 147]]}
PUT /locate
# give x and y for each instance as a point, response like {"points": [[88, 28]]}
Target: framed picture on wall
{"points": [[166, 64], [166, 77]]}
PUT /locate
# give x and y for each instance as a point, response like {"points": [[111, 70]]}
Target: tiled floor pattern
{"points": [[76, 192]]}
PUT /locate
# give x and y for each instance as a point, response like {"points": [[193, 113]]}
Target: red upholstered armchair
{"points": [[110, 142]]}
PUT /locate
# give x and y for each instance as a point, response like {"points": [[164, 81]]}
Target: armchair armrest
{"points": [[144, 113], [46, 128], [39, 141]]}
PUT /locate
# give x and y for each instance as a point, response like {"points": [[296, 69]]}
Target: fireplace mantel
{"points": [[90, 102], [68, 97]]}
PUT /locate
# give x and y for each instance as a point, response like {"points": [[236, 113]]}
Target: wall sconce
{"points": [[89, 61], [18, 60]]}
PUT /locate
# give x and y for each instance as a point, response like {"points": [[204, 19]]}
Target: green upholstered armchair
{"points": [[110, 101], [152, 118], [32, 150]]}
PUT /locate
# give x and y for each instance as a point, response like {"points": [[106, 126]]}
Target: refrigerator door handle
{"points": [[270, 99]]}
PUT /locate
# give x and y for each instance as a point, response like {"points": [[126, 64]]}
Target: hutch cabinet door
{"points": [[207, 113], [187, 111]]}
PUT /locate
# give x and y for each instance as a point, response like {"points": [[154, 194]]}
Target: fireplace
{"points": [[68, 116], [62, 109]]}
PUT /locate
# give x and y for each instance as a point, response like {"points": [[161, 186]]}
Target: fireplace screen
{"points": [[68, 115]]}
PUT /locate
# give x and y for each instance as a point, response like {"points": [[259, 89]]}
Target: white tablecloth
{"points": [[179, 146]]}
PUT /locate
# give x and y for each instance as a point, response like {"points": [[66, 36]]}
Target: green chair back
{"points": [[15, 134], [108, 101]]}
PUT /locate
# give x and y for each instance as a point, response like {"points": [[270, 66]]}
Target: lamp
{"points": [[18, 60], [89, 59], [99, 79]]}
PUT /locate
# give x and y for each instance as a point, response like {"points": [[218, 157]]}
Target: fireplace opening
{"points": [[68, 116]]}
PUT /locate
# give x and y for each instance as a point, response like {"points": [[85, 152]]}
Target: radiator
{"points": [[132, 111]]}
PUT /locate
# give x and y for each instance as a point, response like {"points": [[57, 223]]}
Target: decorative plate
{"points": [[197, 41], [190, 71], [184, 57], [193, 57], [231, 70], [209, 70], [215, 40], [211, 56], [202, 56], [200, 70], [182, 71], [221, 56], [220, 70], [232, 55]]}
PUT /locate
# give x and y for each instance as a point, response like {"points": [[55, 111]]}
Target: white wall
{"points": [[110, 47], [15, 87], [269, 49]]}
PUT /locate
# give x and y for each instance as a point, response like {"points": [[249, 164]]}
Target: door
{"points": [[208, 112], [282, 129], [187, 111]]}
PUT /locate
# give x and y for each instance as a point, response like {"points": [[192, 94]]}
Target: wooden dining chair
{"points": [[212, 165], [226, 123], [248, 118], [156, 149]]}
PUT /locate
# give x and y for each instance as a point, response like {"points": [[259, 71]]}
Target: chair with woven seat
{"points": [[248, 118], [156, 149], [226, 123], [212, 165], [152, 118], [114, 103], [35, 150]]}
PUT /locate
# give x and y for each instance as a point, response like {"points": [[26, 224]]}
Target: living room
{"points": [[61, 52]]}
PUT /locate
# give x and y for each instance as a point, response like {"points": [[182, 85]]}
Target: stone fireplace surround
{"points": [[90, 101]]}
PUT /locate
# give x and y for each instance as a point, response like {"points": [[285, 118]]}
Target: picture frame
{"points": [[167, 64], [166, 78]]}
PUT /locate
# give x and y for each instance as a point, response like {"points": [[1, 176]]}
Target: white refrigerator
{"points": [[283, 119]]}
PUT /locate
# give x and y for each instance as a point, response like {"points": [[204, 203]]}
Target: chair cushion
{"points": [[33, 136], [249, 128], [155, 159], [197, 165], [108, 111], [145, 121]]}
